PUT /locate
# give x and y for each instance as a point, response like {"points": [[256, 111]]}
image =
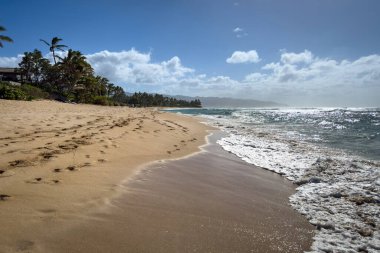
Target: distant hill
{"points": [[230, 102]]}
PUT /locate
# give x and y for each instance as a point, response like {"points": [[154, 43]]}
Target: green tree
{"points": [[34, 67], [3, 37], [103, 84], [119, 95], [74, 68], [53, 46]]}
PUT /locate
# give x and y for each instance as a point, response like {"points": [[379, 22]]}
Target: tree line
{"points": [[145, 99], [72, 78]]}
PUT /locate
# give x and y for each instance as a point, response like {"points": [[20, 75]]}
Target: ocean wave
{"points": [[337, 192]]}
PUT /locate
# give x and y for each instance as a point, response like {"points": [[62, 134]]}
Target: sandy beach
{"points": [[59, 161], [84, 178], [209, 202]]}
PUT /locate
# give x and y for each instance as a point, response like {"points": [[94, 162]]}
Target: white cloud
{"points": [[133, 67], [292, 58], [304, 79], [10, 62], [243, 57], [238, 30]]}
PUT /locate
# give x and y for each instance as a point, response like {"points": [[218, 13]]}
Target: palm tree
{"points": [[3, 37], [54, 46], [74, 68]]}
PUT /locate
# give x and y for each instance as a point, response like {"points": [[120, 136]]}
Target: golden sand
{"points": [[59, 161]]}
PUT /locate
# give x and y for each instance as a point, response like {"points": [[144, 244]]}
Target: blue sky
{"points": [[300, 51]]}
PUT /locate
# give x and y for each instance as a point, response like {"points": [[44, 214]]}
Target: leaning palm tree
{"points": [[54, 46], [3, 37]]}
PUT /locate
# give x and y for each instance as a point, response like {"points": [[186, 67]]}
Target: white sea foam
{"points": [[338, 193]]}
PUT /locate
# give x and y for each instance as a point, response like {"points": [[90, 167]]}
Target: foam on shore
{"points": [[338, 192]]}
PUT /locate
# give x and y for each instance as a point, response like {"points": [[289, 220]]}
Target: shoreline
{"points": [[336, 190], [60, 161], [197, 203]]}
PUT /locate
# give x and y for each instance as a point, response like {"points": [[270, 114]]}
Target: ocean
{"points": [[331, 154]]}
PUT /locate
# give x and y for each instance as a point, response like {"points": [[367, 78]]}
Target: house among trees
{"points": [[11, 74]]}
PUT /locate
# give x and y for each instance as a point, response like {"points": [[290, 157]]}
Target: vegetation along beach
{"points": [[190, 126]]}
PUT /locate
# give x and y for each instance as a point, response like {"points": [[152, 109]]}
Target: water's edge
{"points": [[338, 193]]}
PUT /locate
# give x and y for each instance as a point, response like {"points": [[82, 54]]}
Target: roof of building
{"points": [[9, 70]]}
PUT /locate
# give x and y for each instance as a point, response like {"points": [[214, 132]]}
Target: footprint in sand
{"points": [[21, 163], [4, 197], [36, 180], [72, 168], [87, 156], [86, 164], [57, 170], [24, 245]]}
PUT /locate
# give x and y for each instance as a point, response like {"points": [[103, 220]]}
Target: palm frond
{"points": [[45, 42], [59, 57], [5, 38], [55, 40], [59, 47]]}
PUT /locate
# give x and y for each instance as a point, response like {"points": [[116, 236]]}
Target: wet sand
{"points": [[208, 202]]}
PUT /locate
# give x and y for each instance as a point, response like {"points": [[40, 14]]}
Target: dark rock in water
{"points": [[360, 200], [314, 180], [337, 195], [366, 232], [362, 249], [325, 226], [301, 182]]}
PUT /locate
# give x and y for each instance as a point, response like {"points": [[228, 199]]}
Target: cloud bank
{"points": [[297, 78], [136, 68]]}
